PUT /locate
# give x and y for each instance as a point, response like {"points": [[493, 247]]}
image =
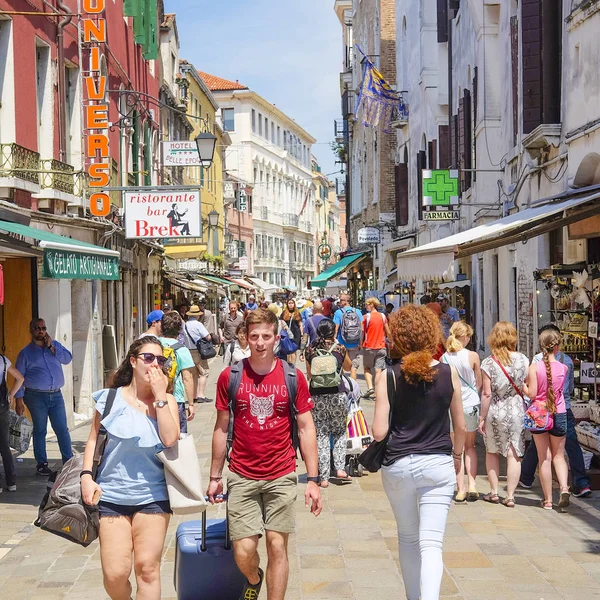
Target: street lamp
{"points": [[206, 142], [228, 237], [213, 219]]}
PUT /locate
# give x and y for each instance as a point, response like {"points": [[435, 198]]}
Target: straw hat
{"points": [[276, 310], [194, 311]]}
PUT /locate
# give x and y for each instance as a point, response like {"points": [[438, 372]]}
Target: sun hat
{"points": [[194, 311]]}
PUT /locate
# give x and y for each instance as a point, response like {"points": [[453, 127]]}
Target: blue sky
{"points": [[288, 51]]}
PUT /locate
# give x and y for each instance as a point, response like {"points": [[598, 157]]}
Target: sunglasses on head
{"points": [[149, 358]]}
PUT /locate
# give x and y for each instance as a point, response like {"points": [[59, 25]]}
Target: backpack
{"points": [[324, 370], [235, 379], [351, 327], [62, 510], [171, 366]]}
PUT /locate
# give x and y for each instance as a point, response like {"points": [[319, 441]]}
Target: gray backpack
{"points": [[62, 510], [351, 327], [324, 370]]}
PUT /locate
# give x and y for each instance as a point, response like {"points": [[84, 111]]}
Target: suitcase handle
{"points": [[227, 536]]}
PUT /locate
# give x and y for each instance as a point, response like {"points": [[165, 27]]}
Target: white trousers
{"points": [[420, 488]]}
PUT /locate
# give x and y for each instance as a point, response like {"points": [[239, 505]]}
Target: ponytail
{"points": [[550, 395], [453, 344]]}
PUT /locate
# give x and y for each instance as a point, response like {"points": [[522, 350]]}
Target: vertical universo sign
{"points": [[96, 109]]}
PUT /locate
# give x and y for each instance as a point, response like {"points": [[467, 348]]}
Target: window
{"points": [[266, 128], [272, 132], [228, 119], [278, 136], [260, 124], [253, 120]]}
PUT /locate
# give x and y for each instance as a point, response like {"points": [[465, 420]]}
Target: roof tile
{"points": [[217, 84]]}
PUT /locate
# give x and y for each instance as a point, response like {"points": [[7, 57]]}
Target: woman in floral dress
{"points": [[502, 409]]}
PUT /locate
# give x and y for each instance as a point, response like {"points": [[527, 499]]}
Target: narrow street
{"points": [[350, 551]]}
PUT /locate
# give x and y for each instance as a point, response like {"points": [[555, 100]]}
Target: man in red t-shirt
{"points": [[262, 481], [375, 330]]}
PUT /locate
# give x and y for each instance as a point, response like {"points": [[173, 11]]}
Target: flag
{"points": [[305, 201], [377, 101]]}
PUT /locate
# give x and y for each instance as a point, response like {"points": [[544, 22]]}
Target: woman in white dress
{"points": [[502, 409], [467, 366]]}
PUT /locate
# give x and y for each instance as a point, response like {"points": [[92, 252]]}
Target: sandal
{"points": [[509, 502], [460, 497], [324, 483], [492, 498], [546, 505], [564, 500], [473, 495], [344, 479]]}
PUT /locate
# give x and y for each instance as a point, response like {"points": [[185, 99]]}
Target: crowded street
{"points": [[349, 551]]}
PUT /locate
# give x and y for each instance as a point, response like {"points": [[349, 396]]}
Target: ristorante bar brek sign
{"points": [[96, 109]]}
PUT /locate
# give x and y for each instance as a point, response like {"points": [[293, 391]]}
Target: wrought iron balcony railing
{"points": [[58, 176], [290, 220], [20, 162], [264, 213]]}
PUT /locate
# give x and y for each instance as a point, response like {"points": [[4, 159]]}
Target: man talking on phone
{"points": [[41, 364]]}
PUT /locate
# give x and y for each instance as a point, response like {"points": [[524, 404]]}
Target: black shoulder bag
{"points": [[372, 458]]}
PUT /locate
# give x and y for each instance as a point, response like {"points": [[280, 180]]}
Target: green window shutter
{"points": [[132, 8], [135, 148], [147, 156], [151, 23]]}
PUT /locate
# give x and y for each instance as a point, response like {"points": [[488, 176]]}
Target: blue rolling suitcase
{"points": [[204, 564]]}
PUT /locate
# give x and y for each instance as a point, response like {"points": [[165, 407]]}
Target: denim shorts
{"points": [[108, 509], [560, 426]]}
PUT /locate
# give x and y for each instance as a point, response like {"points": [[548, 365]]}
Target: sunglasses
{"points": [[149, 358], [38, 328]]}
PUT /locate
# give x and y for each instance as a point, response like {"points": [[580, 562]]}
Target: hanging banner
{"points": [[162, 214], [59, 264]]}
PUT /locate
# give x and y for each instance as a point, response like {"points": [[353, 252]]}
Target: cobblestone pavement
{"points": [[350, 551]]}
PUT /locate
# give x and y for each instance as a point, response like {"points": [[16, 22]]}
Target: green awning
{"points": [[65, 258], [218, 280], [320, 281]]}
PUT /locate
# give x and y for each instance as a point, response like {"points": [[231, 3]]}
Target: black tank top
{"points": [[420, 422]]}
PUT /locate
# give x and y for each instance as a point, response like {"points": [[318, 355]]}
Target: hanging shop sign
{"points": [[325, 251], [441, 215], [243, 263], [160, 214], [228, 190], [440, 195], [60, 264], [96, 106], [181, 154], [369, 235]]}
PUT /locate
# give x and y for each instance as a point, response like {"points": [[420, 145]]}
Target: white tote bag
{"points": [[184, 481]]}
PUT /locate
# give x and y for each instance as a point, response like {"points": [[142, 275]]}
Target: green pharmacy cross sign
{"points": [[440, 188]]}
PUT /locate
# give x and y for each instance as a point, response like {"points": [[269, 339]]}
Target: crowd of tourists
{"points": [[432, 395]]}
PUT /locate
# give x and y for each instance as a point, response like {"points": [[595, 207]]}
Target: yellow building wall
{"points": [[211, 180]]}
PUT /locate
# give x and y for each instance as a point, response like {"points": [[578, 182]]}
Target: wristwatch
{"points": [[316, 480], [160, 403]]}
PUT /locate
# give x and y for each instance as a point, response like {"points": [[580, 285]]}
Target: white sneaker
{"points": [[12, 488]]}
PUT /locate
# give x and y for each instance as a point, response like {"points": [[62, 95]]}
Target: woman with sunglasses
{"points": [[130, 486]]}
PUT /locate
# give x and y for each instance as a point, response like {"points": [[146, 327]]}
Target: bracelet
{"points": [[457, 456], [216, 478], [85, 473]]}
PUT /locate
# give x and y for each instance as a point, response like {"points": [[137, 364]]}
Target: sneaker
{"points": [[12, 488], [205, 400], [525, 485], [43, 470], [583, 492], [250, 591]]}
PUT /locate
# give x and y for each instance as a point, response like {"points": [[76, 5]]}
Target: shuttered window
{"points": [[514, 57], [442, 21], [467, 140], [421, 160], [401, 189], [444, 137]]}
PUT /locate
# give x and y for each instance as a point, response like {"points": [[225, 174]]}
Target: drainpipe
{"points": [[62, 97]]}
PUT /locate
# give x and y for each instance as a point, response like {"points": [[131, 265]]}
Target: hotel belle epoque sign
{"points": [[96, 106]]}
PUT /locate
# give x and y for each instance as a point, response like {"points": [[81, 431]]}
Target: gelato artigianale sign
{"points": [[96, 109]]}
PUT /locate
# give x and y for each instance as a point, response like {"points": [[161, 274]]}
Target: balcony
{"points": [[291, 220], [19, 168], [400, 117], [340, 130], [263, 213], [58, 176]]}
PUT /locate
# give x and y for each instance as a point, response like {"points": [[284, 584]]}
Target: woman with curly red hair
{"points": [[420, 465]]}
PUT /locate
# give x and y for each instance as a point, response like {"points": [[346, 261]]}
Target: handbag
{"points": [[205, 347], [372, 458], [287, 343], [62, 510], [20, 430], [184, 481]]}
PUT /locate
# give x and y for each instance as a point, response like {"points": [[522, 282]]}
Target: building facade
{"points": [[272, 152]]}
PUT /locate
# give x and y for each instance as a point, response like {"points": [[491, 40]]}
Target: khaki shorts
{"points": [[354, 354], [374, 358], [256, 506], [201, 363]]}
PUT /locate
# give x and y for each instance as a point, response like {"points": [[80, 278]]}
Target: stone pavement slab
{"points": [[349, 552]]}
